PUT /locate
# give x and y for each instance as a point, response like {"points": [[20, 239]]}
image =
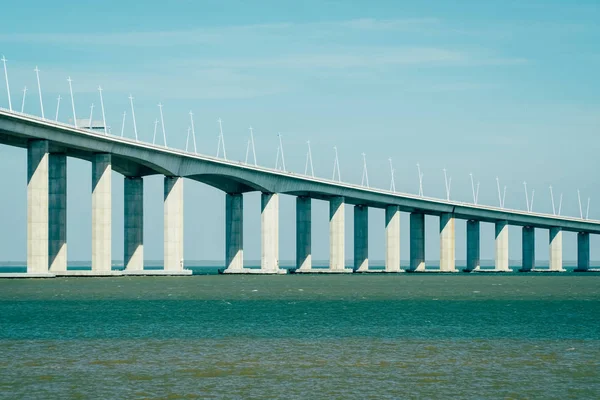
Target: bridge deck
{"points": [[134, 158]]}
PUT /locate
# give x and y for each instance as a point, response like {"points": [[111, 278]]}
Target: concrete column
{"points": [[173, 223], [361, 238], [555, 260], [447, 243], [101, 214], [37, 207], [528, 249], [392, 239], [303, 233], [336, 234], [417, 242], [269, 232], [502, 246], [133, 223], [234, 233], [583, 251], [473, 247], [57, 213]]}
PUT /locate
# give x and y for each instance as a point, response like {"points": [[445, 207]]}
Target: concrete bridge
{"points": [[50, 143]]}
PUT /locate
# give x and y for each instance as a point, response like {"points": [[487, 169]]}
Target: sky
{"points": [[506, 89]]}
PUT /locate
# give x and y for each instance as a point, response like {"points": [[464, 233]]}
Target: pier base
{"points": [[434, 271], [88, 273], [325, 271], [27, 275], [379, 271], [157, 272], [255, 271]]}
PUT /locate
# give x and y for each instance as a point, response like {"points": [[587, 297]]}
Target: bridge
{"points": [[50, 143]]}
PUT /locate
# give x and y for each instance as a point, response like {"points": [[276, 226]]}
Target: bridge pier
{"points": [[173, 226], [337, 257], [101, 214], [37, 209], [417, 242], [269, 234], [303, 234], [392, 239], [133, 224], [528, 249], [234, 233], [555, 260], [501, 248], [361, 238], [447, 243], [57, 213], [583, 252], [473, 246]]}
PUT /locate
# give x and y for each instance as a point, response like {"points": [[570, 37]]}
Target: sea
{"points": [[356, 336]]}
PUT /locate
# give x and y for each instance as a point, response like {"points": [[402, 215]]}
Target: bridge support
{"points": [[361, 238], [417, 242], [583, 252], [303, 234], [57, 213], [447, 243], [473, 246], [101, 214], [528, 249], [37, 209], [173, 226], [337, 258], [392, 239], [133, 223], [269, 234], [501, 262], [234, 233], [555, 260]]}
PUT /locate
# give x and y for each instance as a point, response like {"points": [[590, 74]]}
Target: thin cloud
{"points": [[222, 78], [209, 35], [148, 39], [358, 57], [386, 24], [456, 87], [184, 83]]}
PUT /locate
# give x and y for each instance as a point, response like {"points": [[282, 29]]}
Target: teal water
{"points": [[214, 270], [350, 336]]}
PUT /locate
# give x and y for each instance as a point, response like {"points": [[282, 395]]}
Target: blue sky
{"points": [[497, 88]]}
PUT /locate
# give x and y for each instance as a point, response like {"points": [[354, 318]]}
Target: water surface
{"points": [[349, 336]]}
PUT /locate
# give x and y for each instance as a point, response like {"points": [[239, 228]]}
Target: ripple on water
{"points": [[295, 338]]}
